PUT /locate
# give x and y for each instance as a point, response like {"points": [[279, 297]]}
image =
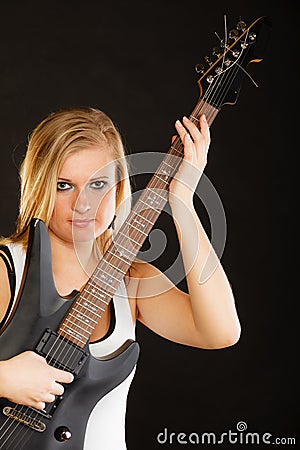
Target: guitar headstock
{"points": [[222, 72]]}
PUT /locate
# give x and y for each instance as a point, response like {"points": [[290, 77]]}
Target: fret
{"points": [[108, 268], [119, 257], [165, 162], [107, 284], [103, 275], [149, 221], [128, 237], [139, 222], [154, 209], [118, 269], [152, 198], [177, 150], [203, 107], [122, 251], [170, 168], [76, 325], [73, 334], [143, 211], [167, 174], [94, 291], [161, 179], [74, 331], [92, 309], [156, 193], [131, 225], [82, 318]]}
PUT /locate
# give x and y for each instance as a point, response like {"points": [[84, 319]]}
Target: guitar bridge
{"points": [[23, 418]]}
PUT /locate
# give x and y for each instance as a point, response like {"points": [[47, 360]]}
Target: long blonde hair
{"points": [[58, 135]]}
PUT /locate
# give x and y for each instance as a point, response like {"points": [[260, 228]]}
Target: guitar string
{"points": [[231, 74], [18, 443], [11, 433], [12, 422]]}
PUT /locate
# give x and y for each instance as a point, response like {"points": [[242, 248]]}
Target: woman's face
{"points": [[86, 195]]}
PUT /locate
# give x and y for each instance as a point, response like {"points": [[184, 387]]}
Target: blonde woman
{"points": [[74, 178]]}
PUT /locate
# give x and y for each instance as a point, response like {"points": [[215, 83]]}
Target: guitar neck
{"points": [[92, 302]]}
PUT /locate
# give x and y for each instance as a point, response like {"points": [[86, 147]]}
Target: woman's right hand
{"points": [[27, 379]]}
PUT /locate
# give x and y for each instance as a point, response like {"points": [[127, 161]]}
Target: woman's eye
{"points": [[63, 186], [98, 184]]}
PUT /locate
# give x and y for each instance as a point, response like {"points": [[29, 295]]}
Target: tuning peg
{"points": [[227, 62], [210, 79], [233, 34], [218, 70], [208, 60], [216, 51], [199, 68], [252, 36], [241, 25], [235, 53]]}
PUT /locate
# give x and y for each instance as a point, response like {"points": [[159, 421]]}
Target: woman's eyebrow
{"points": [[90, 179], [64, 179], [97, 177]]}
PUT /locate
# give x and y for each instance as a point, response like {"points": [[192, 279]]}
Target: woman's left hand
{"points": [[196, 143]]}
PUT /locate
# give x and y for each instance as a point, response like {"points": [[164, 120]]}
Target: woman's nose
{"points": [[82, 203]]}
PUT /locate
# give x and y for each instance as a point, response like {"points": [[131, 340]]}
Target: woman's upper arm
{"points": [[164, 308], [4, 289]]}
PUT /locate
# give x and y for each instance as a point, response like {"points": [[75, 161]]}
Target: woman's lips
{"points": [[79, 223]]}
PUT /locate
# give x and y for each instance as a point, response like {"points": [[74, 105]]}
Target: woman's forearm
{"points": [[210, 292]]}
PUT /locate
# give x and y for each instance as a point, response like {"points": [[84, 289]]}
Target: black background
{"points": [[135, 60]]}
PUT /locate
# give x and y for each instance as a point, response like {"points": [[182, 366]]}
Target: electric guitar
{"points": [[59, 329]]}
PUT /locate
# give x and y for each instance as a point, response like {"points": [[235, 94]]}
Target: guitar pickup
{"points": [[60, 352]]}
